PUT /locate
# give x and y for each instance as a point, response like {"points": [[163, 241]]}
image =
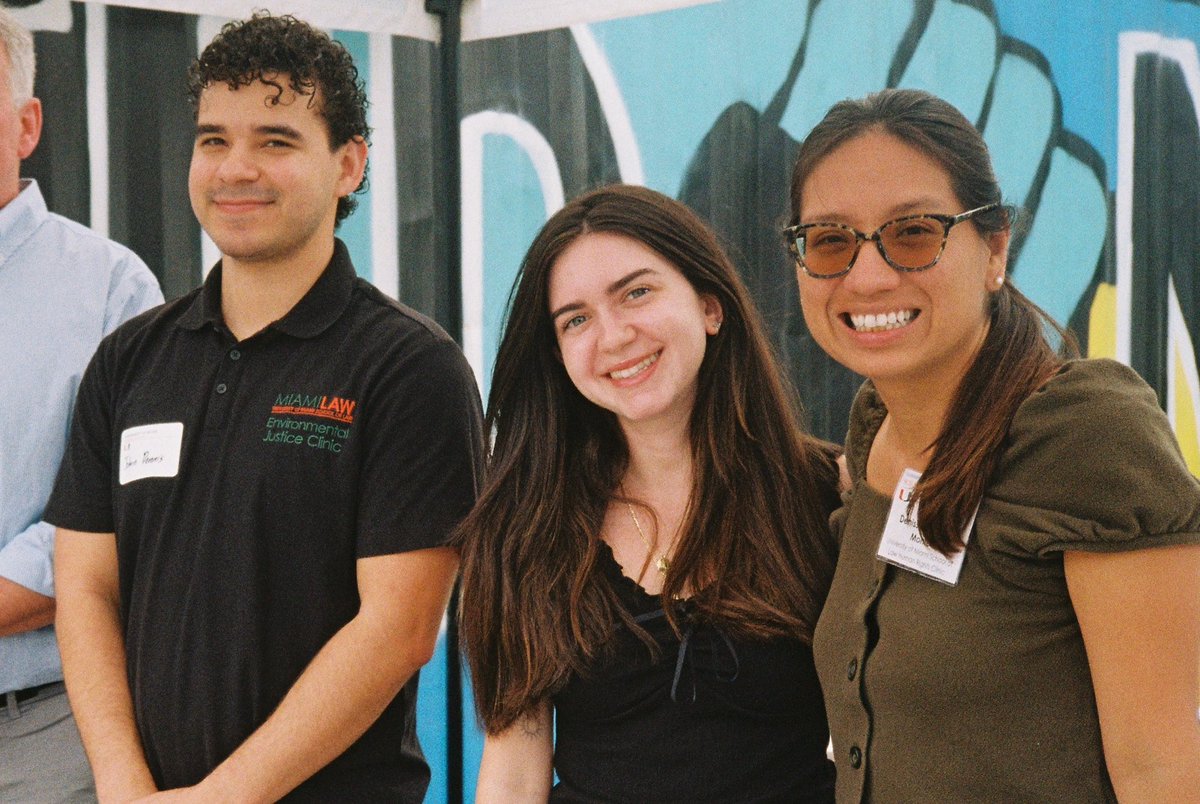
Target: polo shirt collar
{"points": [[205, 308], [20, 218], [316, 311]]}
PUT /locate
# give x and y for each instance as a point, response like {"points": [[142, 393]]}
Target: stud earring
{"points": [[999, 280]]}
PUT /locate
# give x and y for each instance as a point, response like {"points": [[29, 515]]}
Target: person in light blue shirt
{"points": [[62, 288]]}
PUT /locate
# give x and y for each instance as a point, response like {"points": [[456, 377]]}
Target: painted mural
{"points": [[1093, 120]]}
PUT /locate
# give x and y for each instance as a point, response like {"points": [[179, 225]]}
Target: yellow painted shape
{"points": [[1102, 322], [1102, 342], [1185, 417]]}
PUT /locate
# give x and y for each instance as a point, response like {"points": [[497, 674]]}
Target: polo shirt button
{"points": [[221, 388], [852, 669], [855, 757], [234, 354]]}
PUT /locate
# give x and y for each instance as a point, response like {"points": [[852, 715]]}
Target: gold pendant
{"points": [[663, 564]]}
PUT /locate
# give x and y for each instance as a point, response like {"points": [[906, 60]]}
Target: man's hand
{"points": [[349, 682], [23, 609]]}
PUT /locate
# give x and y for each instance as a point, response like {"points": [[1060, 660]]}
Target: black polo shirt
{"points": [[255, 474]]}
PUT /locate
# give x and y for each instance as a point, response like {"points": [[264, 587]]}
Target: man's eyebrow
{"points": [[277, 130]]}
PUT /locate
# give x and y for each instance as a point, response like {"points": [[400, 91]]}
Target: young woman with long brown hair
{"points": [[1016, 610], [643, 571]]}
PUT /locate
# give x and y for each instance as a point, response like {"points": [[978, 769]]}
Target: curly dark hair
{"points": [[265, 48]]}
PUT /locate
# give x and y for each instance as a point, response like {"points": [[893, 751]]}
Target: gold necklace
{"points": [[663, 563]]}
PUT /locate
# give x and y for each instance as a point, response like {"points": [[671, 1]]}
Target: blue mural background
{"points": [[1090, 110], [714, 99]]}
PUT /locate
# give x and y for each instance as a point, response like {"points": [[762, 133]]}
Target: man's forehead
{"points": [[275, 89], [262, 104]]}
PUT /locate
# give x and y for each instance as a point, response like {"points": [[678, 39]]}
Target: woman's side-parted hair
{"points": [[1016, 357], [755, 539]]}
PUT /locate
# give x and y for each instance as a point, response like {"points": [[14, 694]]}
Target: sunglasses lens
{"points": [[913, 242], [826, 250]]}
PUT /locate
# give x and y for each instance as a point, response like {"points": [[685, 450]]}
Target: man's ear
{"points": [[353, 163], [31, 128]]}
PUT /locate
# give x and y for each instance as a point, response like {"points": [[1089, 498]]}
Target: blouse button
{"points": [[852, 669], [855, 757]]}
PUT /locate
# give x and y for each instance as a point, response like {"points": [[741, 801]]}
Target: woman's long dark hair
{"points": [[1016, 357], [755, 538]]}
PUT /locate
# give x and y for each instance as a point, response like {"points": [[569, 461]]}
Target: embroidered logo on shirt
{"points": [[330, 407], [292, 421]]}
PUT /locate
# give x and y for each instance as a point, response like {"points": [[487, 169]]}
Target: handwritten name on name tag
{"points": [[904, 546], [150, 450]]}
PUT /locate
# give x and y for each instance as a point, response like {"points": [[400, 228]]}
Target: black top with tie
{"points": [[711, 718]]}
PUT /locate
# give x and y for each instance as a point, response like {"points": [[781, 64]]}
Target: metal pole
{"points": [[450, 12]]}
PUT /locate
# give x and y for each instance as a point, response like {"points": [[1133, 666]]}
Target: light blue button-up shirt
{"points": [[62, 288]]}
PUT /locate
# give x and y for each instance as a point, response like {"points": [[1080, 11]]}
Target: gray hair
{"points": [[18, 44]]}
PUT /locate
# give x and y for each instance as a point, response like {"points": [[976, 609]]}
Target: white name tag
{"points": [[151, 450], [904, 546]]}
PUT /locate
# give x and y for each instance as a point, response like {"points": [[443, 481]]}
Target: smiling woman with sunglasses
{"points": [[1015, 613]]}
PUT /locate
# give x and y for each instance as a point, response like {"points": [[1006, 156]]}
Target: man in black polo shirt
{"points": [[261, 475]]}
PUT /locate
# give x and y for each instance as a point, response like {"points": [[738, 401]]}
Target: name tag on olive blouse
{"points": [[904, 546]]}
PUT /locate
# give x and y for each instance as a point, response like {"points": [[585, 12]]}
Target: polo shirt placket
{"points": [[229, 372]]}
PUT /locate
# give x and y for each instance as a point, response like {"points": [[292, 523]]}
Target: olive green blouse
{"points": [[981, 691]]}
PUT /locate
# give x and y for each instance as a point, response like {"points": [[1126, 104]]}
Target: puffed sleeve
{"points": [[1092, 464]]}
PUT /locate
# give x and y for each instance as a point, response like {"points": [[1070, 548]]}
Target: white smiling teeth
{"points": [[880, 322], [625, 374]]}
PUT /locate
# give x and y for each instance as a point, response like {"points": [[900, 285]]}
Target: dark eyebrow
{"points": [[627, 279], [287, 132], [280, 131], [917, 206], [610, 290]]}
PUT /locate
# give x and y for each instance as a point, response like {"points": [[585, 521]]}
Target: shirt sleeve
{"points": [[1093, 465], [133, 289], [28, 559], [82, 497], [424, 452]]}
